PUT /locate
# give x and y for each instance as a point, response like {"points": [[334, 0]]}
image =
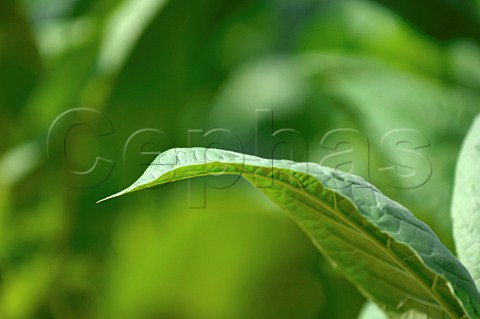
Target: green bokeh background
{"points": [[185, 68]]}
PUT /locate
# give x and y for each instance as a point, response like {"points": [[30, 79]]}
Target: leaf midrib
{"points": [[394, 266]]}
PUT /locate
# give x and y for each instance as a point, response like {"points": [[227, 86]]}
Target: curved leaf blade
{"points": [[466, 203], [393, 258]]}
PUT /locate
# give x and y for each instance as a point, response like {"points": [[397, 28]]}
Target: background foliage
{"points": [[179, 65]]}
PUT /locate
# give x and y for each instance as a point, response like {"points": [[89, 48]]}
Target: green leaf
{"points": [[466, 203], [393, 258]]}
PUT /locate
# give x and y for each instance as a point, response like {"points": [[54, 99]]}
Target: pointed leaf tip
{"points": [[392, 257]]}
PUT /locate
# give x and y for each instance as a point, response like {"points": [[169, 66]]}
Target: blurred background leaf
{"points": [[149, 75]]}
